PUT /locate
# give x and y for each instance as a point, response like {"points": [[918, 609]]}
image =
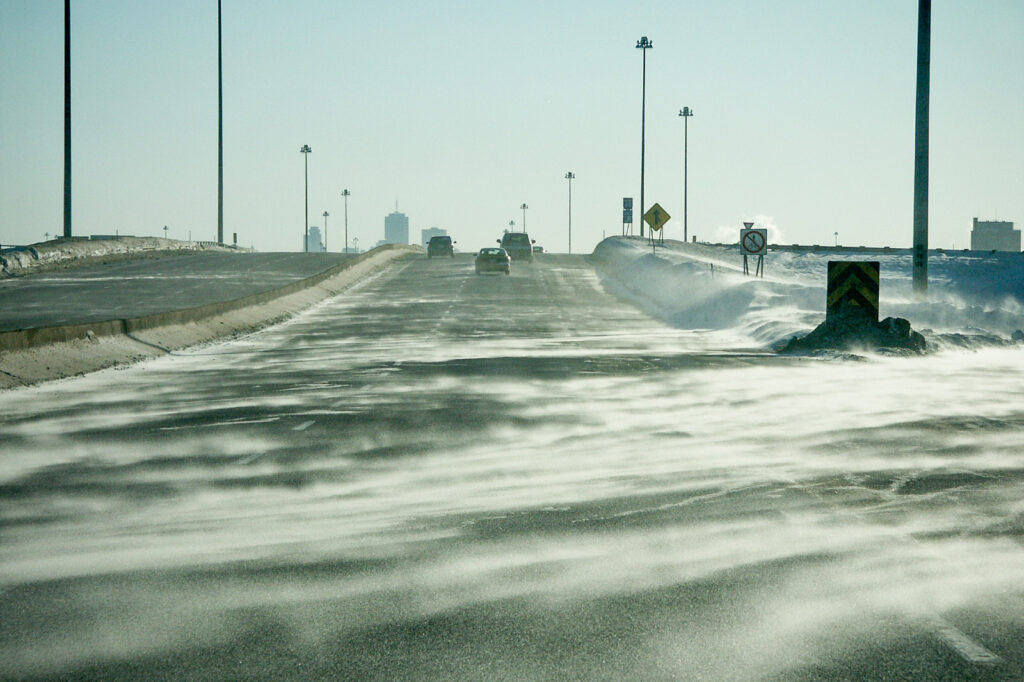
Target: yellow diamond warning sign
{"points": [[656, 217]]}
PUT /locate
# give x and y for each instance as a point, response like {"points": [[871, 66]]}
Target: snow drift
{"points": [[975, 299]]}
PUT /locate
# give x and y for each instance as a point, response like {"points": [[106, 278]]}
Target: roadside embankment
{"points": [[59, 254], [30, 356]]}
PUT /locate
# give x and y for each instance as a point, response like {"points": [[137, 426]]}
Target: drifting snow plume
{"points": [[974, 300]]}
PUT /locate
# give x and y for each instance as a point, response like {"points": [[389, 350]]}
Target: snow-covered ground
{"points": [[974, 299], [62, 253]]}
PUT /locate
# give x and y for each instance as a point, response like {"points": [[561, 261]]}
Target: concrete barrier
{"points": [[28, 356]]}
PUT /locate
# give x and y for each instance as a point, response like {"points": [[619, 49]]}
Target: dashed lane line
{"points": [[252, 458], [940, 628], [968, 649], [446, 316]]}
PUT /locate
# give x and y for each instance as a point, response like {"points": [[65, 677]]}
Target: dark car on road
{"points": [[519, 246], [440, 246], [493, 260]]}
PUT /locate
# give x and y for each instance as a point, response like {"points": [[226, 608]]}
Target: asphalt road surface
{"points": [[142, 287], [444, 476]]}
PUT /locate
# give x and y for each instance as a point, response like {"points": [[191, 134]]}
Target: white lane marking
{"points": [[227, 423], [670, 505], [446, 316], [304, 425], [251, 458], [941, 629], [968, 649]]}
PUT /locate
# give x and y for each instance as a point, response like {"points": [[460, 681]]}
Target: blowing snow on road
{"points": [[595, 468]]}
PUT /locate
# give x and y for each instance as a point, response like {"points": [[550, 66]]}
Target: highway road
{"points": [[445, 476], [136, 288]]}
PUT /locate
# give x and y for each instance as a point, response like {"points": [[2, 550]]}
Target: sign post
{"points": [[753, 242], [656, 217], [627, 215]]}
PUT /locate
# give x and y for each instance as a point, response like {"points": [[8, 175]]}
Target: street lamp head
{"points": [[305, 149], [345, 193], [326, 214], [644, 43], [524, 207], [570, 175], [686, 111]]}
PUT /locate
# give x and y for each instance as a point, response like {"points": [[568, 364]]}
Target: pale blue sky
{"points": [[462, 111]]}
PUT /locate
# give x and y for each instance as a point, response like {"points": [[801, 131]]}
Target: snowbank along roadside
{"points": [[975, 299], [60, 254]]}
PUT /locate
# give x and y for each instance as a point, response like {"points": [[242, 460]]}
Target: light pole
{"points": [[345, 193], [524, 207], [686, 113], [569, 176], [643, 44], [67, 118], [305, 155], [837, 239], [165, 232], [355, 241], [325, 229], [512, 226], [220, 135], [924, 51]]}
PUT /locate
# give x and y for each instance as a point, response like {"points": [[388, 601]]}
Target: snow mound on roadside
{"points": [[64, 253], [974, 299]]}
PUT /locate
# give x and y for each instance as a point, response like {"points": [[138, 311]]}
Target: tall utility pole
{"points": [[924, 48], [220, 135], [345, 193], [67, 118], [643, 44], [569, 176], [325, 229], [686, 113], [524, 207], [305, 155]]}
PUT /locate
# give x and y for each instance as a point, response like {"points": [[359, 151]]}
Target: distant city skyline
{"points": [[803, 118], [396, 228], [994, 235], [426, 234], [316, 240]]}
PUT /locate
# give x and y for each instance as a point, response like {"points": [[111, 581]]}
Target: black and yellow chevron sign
{"points": [[852, 283]]}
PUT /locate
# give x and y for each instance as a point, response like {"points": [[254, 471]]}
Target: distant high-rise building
{"points": [[425, 235], [315, 243], [396, 228], [994, 235]]}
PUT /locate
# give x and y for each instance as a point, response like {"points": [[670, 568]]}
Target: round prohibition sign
{"points": [[753, 242]]}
